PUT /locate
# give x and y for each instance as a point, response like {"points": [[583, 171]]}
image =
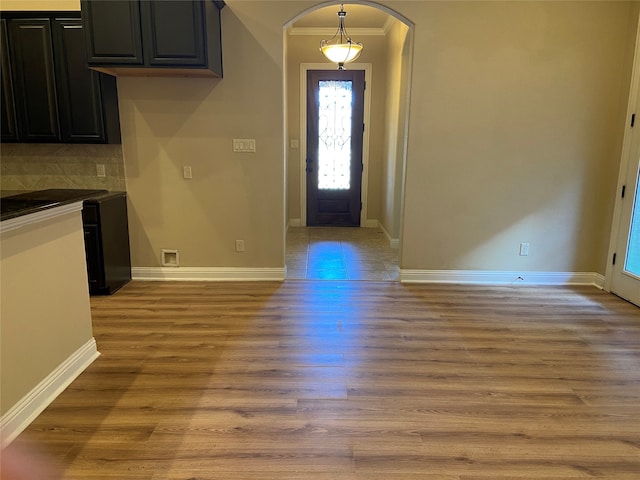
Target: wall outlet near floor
{"points": [[239, 245], [100, 171], [524, 249], [170, 258]]}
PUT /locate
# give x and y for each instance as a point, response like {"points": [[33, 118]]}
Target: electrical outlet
{"points": [[100, 171], [524, 249], [239, 245], [186, 172]]}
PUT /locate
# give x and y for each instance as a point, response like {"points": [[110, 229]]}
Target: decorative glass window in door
{"points": [[632, 262], [334, 134]]}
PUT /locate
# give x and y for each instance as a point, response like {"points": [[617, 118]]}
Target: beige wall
{"points": [[516, 122], [394, 129], [168, 123], [305, 49], [44, 305], [23, 5]]}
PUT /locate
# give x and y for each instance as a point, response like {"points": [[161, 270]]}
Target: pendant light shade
{"points": [[340, 48]]}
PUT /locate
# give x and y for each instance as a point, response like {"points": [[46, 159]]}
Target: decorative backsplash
{"points": [[40, 166]]}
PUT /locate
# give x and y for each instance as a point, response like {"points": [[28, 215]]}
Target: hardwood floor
{"points": [[352, 380]]}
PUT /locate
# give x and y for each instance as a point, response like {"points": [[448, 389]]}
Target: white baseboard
{"points": [[208, 273], [598, 280], [31, 405], [296, 222], [501, 278], [371, 224], [393, 242]]}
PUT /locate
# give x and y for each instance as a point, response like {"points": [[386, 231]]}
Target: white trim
{"points": [[369, 223], [393, 242], [208, 273], [500, 278], [634, 91], [31, 218], [40, 397], [368, 78], [388, 24], [355, 33], [368, 3]]}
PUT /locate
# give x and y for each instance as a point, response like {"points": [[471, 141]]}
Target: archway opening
{"points": [[387, 61]]}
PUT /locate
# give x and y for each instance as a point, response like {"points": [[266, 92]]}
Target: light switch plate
{"points": [[244, 145]]}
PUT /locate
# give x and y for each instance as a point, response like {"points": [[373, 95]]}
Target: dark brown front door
{"points": [[335, 116]]}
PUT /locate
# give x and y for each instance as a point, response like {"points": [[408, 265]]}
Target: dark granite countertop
{"points": [[16, 204]]}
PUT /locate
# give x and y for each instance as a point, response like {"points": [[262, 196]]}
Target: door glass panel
{"points": [[632, 262], [334, 134]]}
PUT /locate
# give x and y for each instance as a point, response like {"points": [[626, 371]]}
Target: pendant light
{"points": [[340, 48]]}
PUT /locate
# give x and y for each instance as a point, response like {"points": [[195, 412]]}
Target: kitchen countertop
{"points": [[16, 204]]}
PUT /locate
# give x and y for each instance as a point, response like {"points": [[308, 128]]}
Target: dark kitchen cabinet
{"points": [[114, 32], [161, 37], [46, 79], [106, 238], [88, 102], [31, 51], [8, 127]]}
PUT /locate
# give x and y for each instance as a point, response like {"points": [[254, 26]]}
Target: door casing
{"points": [[628, 152], [304, 67]]}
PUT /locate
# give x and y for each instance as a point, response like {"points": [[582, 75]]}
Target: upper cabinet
{"points": [[161, 37], [48, 92], [31, 52], [9, 126]]}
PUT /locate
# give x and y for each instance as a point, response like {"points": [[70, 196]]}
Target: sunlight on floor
{"points": [[333, 253]]}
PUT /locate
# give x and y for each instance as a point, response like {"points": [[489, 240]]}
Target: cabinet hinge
{"points": [[614, 259], [633, 119], [624, 187]]}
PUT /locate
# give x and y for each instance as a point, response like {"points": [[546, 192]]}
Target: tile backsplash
{"points": [[27, 166]]}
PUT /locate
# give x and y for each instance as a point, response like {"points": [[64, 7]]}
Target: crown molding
{"points": [[329, 32]]}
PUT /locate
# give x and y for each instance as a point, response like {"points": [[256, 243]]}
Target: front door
{"points": [[335, 124], [625, 281]]}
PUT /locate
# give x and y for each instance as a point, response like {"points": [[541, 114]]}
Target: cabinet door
{"points": [[80, 104], [112, 32], [34, 87], [9, 127], [174, 33], [95, 270]]}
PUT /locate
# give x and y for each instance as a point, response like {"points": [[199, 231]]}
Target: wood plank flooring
{"points": [[351, 381]]}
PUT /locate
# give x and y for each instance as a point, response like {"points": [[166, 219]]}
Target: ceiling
{"points": [[358, 17]]}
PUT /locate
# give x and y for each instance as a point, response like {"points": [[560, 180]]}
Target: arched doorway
{"points": [[387, 59]]}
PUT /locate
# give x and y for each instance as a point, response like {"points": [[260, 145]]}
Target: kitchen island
{"points": [[46, 336]]}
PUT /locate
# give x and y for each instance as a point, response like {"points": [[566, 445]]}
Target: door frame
{"points": [[304, 67], [625, 161]]}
